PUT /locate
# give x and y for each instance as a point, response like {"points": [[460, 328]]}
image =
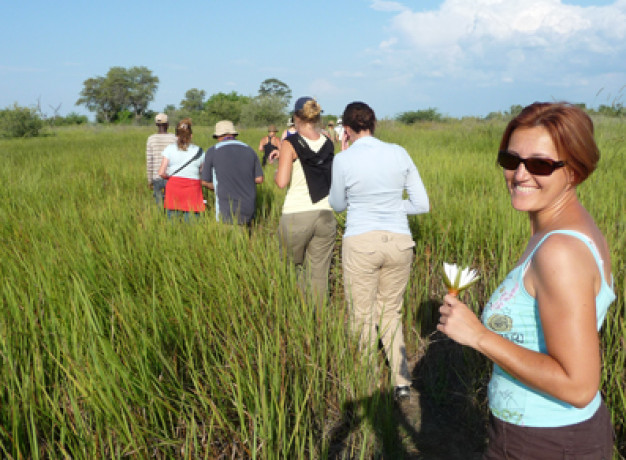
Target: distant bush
{"points": [[19, 121], [613, 110], [71, 118], [263, 111], [415, 116]]}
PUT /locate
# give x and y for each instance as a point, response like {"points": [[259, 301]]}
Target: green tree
{"points": [[121, 90], [142, 86], [263, 111], [226, 106], [515, 110], [194, 100], [275, 87], [19, 121], [94, 98]]}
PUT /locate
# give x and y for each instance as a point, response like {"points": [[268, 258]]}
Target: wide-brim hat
{"points": [[224, 127]]}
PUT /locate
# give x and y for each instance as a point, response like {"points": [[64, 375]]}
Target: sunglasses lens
{"points": [[536, 166], [539, 167], [508, 161]]}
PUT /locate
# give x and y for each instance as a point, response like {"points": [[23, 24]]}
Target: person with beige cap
{"points": [[232, 170], [154, 149], [269, 143]]}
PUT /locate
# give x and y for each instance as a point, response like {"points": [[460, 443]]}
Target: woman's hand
{"points": [[274, 156], [345, 140], [460, 323]]}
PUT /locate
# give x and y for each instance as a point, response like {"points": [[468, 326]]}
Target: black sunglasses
{"points": [[536, 166]]}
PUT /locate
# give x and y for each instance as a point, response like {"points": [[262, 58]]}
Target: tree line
{"points": [[124, 94]]}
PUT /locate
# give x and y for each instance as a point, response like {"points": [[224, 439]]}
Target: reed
{"points": [[124, 334]]}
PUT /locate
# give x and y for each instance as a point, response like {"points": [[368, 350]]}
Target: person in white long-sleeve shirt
{"points": [[368, 179]]}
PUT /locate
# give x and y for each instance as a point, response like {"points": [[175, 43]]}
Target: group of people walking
{"points": [[540, 327]]}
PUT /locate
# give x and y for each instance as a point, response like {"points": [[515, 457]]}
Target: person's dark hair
{"points": [[183, 133], [359, 117], [571, 131], [310, 113]]}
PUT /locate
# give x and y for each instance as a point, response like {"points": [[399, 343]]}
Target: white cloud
{"points": [[381, 5], [507, 39], [388, 43]]}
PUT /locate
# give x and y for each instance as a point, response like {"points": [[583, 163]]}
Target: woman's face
{"points": [[530, 192]]}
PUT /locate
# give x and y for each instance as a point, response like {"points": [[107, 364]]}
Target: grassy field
{"points": [[124, 334]]}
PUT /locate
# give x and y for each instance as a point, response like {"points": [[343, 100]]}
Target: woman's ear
{"points": [[572, 177]]}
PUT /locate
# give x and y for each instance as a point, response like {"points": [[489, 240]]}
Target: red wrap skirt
{"points": [[182, 194]]}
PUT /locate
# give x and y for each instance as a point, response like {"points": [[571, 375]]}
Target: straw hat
{"points": [[223, 128]]}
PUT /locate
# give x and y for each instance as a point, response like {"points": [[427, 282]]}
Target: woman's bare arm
{"points": [[562, 277]]}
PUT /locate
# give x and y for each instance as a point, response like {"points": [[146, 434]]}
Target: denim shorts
{"points": [[589, 440]]}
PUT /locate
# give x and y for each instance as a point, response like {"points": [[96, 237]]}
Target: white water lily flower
{"points": [[457, 280]]}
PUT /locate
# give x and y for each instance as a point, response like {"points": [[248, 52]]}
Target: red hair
{"points": [[571, 131]]}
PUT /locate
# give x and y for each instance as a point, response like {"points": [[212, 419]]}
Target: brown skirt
{"points": [[589, 440]]}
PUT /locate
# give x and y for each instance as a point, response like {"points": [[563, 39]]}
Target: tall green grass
{"points": [[124, 334]]}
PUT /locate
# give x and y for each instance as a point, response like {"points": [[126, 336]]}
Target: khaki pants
{"points": [[376, 267], [308, 238]]}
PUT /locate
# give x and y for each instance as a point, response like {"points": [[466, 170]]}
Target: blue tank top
{"points": [[513, 313]]}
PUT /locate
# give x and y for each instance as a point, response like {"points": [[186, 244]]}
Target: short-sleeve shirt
{"points": [[232, 167], [177, 158], [155, 145]]}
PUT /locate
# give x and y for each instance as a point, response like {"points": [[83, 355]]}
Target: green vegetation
{"points": [[268, 107], [19, 121], [124, 334], [415, 116], [121, 90]]}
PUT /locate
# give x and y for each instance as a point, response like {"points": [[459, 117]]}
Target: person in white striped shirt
{"points": [[154, 149]]}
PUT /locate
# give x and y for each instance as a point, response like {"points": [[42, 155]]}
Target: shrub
{"points": [[19, 121], [263, 111], [71, 118], [414, 116]]}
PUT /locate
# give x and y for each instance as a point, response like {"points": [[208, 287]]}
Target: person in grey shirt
{"points": [[232, 170], [369, 179]]}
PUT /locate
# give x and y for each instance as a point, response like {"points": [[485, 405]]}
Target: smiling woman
{"points": [[540, 327]]}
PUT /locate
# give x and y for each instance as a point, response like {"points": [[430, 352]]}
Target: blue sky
{"points": [[462, 57]]}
